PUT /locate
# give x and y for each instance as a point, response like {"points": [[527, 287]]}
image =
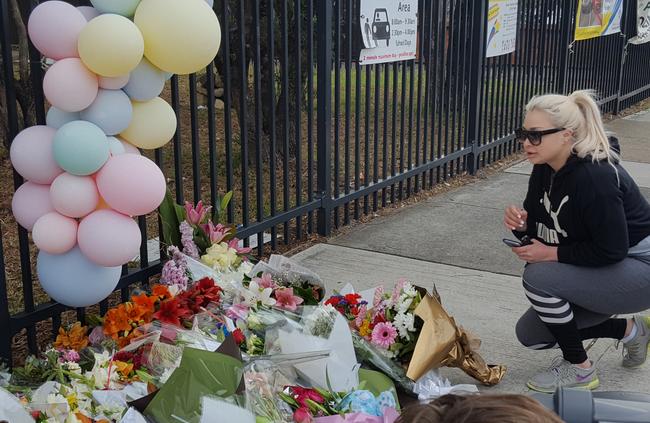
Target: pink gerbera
{"points": [[384, 334]]}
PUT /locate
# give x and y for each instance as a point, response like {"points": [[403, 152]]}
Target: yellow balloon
{"points": [[111, 45], [153, 124], [180, 36]]}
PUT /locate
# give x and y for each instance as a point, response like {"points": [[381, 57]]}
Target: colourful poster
{"points": [[501, 27], [643, 22], [597, 18]]}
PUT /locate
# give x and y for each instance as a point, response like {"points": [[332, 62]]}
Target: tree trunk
{"points": [[22, 85]]}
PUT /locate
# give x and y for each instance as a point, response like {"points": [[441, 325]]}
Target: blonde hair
{"points": [[479, 409], [579, 113]]}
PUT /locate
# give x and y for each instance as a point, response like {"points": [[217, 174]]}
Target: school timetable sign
{"points": [[389, 29]]}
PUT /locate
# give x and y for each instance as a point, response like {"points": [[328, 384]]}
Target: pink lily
{"points": [[266, 281], [195, 215], [234, 244], [216, 233], [285, 299], [237, 311]]}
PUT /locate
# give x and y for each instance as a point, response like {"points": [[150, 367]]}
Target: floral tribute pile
{"points": [[219, 332]]}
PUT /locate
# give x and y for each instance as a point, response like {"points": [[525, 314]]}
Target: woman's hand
{"points": [[515, 219], [536, 252]]}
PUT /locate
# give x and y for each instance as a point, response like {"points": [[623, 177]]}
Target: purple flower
{"points": [[71, 355], [174, 274], [187, 239], [96, 336]]}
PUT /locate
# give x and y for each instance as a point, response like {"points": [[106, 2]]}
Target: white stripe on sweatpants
{"points": [[553, 315], [556, 320], [558, 310], [549, 300]]}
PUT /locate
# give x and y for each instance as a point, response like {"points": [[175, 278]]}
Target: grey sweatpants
{"points": [[595, 294]]}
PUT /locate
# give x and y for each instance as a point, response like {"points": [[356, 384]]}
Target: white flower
{"points": [[245, 267], [99, 373], [403, 304], [404, 322], [57, 407], [73, 367], [255, 294], [409, 291]]}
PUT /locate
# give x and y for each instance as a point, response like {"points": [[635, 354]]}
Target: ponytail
{"points": [[590, 138]]}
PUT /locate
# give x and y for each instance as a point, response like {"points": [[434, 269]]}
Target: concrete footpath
{"points": [[454, 241]]}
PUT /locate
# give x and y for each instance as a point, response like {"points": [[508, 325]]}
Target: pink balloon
{"points": [[131, 184], [32, 155], [74, 196], [88, 12], [54, 28], [68, 85], [30, 202], [113, 83], [108, 238], [55, 233]]}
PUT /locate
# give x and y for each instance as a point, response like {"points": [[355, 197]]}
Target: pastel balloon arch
{"points": [[85, 179]]}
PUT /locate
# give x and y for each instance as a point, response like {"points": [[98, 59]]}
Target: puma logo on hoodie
{"points": [[550, 236]]}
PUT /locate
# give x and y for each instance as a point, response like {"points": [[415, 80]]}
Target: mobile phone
{"points": [[525, 240], [511, 242]]}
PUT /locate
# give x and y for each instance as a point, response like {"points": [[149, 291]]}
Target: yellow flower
{"points": [[72, 401], [220, 257], [364, 330], [123, 368]]}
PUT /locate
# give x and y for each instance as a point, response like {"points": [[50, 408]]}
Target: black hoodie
{"points": [[592, 215]]}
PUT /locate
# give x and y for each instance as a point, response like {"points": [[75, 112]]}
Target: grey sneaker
{"points": [[635, 352], [564, 374]]}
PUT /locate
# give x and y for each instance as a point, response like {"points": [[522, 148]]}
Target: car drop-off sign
{"points": [[389, 30]]}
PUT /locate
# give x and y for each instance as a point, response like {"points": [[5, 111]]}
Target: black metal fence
{"points": [[307, 138]]}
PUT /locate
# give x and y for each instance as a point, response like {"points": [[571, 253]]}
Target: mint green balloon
{"points": [[119, 7], [80, 148]]}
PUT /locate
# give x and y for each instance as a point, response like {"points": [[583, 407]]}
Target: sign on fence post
{"points": [[643, 22], [501, 27], [597, 18], [389, 30]]}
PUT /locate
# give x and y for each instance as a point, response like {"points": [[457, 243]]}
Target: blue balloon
{"points": [[56, 118], [80, 148], [146, 82], [119, 7], [73, 280], [111, 111]]}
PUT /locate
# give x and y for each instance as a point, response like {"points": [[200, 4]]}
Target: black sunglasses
{"points": [[534, 137]]}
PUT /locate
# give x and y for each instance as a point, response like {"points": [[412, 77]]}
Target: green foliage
{"points": [[219, 209], [37, 371], [171, 215]]}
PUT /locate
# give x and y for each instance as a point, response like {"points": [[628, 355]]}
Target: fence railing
{"points": [[306, 137]]}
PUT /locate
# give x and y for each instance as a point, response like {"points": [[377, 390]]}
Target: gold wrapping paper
{"points": [[443, 343]]}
